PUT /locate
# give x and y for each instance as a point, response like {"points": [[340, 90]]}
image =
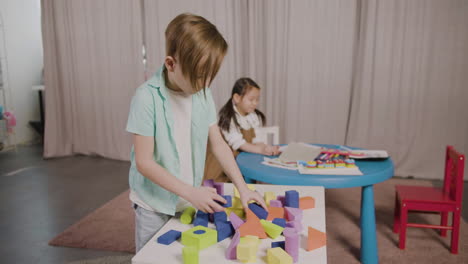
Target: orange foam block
{"points": [[316, 239], [252, 226], [306, 202], [275, 212]]}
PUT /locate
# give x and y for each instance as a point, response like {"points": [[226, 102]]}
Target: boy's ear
{"points": [[169, 62]]}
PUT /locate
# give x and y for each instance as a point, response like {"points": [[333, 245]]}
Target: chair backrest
{"points": [[262, 133], [453, 178]]}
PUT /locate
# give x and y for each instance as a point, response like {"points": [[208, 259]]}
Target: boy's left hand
{"points": [[247, 195]]}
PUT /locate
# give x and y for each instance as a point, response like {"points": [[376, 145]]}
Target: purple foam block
{"points": [[293, 214], [291, 242], [219, 186], [236, 221], [169, 237], [297, 225], [276, 203], [208, 183], [258, 211], [231, 252], [280, 222], [280, 198], [291, 199]]}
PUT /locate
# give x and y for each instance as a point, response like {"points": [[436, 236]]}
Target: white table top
{"points": [[154, 252]]}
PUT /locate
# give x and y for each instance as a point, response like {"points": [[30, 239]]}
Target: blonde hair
{"points": [[198, 46]]}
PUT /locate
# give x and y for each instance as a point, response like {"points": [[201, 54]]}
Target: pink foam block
{"points": [[236, 221], [296, 225], [292, 242], [276, 203], [219, 186], [293, 214], [208, 183], [231, 251], [280, 198]]}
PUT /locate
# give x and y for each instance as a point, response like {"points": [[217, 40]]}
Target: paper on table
{"points": [[299, 151], [367, 154], [277, 164], [331, 171]]}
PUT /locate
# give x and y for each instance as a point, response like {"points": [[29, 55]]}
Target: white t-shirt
{"points": [[181, 106], [234, 137]]}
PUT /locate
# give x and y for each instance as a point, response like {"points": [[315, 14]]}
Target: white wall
{"points": [[22, 26]]}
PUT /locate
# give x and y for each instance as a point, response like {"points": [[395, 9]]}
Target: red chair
{"points": [[431, 199]]}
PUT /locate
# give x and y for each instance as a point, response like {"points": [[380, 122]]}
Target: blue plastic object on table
{"points": [[374, 171]]}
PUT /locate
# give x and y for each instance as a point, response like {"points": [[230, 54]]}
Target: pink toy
{"points": [[11, 121], [292, 242], [231, 251], [235, 220], [293, 214], [276, 203]]}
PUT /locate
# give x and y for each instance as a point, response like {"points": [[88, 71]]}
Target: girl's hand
{"points": [[271, 150], [247, 195], [204, 198]]}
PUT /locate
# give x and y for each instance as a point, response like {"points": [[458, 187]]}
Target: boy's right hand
{"points": [[204, 198]]}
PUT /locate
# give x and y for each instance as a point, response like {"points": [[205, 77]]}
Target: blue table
{"points": [[374, 171]]}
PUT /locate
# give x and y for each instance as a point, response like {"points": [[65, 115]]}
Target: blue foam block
{"points": [[220, 217], [201, 218], [279, 221], [258, 211], [228, 199], [280, 244], [291, 199], [169, 237], [224, 229]]}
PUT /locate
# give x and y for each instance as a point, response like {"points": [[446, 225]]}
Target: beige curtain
{"points": [[93, 63], [410, 89]]}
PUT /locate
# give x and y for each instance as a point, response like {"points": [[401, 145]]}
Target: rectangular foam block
{"points": [[236, 221], [258, 211], [278, 256], [169, 237], [201, 219], [291, 243], [231, 251], [276, 203], [268, 196], [220, 216], [277, 244], [291, 199], [228, 199], [279, 221], [190, 255], [224, 229]]}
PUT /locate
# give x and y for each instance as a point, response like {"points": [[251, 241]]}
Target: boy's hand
{"points": [[271, 150], [247, 195], [204, 198]]}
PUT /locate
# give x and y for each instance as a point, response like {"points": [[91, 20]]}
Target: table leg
{"points": [[369, 251]]}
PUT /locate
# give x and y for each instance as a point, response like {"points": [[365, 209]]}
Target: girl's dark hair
{"points": [[227, 112]]}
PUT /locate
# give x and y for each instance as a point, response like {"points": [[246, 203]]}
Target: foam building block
{"points": [[169, 237], [208, 183], [291, 244], [271, 229], [293, 214], [252, 226], [200, 237], [316, 239], [238, 211], [187, 216], [201, 219], [219, 186], [250, 186], [224, 229], [228, 199], [277, 244], [291, 199], [275, 212], [236, 221], [276, 203], [237, 203], [231, 251], [247, 249], [220, 216], [268, 196], [296, 225], [280, 221], [278, 256], [190, 255], [258, 211], [306, 202], [280, 198]]}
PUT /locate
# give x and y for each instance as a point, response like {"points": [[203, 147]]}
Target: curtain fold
{"points": [[410, 82], [93, 63]]}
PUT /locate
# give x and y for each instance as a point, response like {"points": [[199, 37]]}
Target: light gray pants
{"points": [[147, 223]]}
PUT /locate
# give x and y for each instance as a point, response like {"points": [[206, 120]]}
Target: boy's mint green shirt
{"points": [[150, 115]]}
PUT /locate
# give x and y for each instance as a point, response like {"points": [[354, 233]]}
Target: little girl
{"points": [[238, 119]]}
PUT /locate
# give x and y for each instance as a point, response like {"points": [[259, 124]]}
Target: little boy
{"points": [[171, 118]]}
